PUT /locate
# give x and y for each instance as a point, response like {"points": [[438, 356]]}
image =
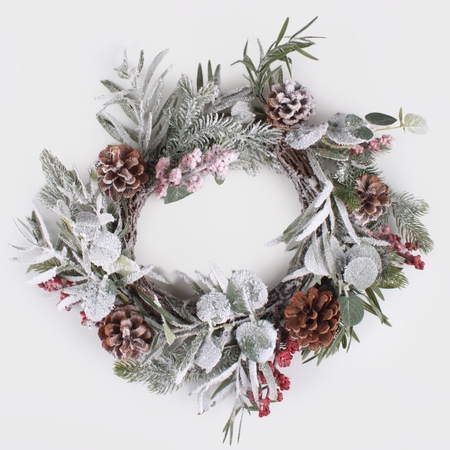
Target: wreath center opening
{"points": [[228, 224]]}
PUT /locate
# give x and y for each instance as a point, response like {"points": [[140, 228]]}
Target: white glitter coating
{"points": [[339, 130], [213, 308], [257, 340], [98, 300], [241, 112], [86, 225], [306, 135], [246, 291], [208, 355], [365, 251], [361, 273], [105, 249], [315, 262]]}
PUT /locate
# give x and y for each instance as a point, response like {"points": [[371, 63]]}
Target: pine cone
{"points": [[312, 319], [289, 104], [374, 198], [125, 334], [121, 171]]}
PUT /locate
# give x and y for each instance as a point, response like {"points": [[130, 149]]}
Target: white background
{"points": [[57, 388]]}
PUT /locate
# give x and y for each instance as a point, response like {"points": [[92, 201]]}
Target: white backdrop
{"points": [[57, 388]]}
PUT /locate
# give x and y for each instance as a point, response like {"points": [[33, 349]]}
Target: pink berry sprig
{"points": [[383, 143], [192, 169]]}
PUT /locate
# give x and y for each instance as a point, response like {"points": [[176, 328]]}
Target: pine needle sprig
{"points": [[407, 210]]}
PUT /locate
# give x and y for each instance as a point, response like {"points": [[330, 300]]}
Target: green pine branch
{"points": [[407, 210]]}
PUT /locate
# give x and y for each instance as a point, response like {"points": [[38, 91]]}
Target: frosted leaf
{"points": [[123, 266], [246, 291], [208, 355], [62, 209], [416, 124], [306, 135], [257, 340], [105, 249], [361, 272], [218, 277], [43, 277], [365, 251], [213, 308], [86, 225], [338, 254], [314, 260], [98, 307], [348, 129], [98, 300], [242, 113]]}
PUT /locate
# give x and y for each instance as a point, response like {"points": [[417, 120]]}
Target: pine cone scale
{"points": [[125, 334], [289, 104], [121, 171], [374, 197], [312, 319]]}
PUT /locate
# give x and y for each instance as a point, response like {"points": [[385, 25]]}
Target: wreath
{"points": [[232, 335]]}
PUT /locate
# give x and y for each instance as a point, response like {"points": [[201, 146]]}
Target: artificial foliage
{"points": [[232, 336]]}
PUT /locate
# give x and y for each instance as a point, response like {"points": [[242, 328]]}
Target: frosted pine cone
{"points": [[289, 104], [125, 334], [374, 196], [121, 171], [312, 319]]}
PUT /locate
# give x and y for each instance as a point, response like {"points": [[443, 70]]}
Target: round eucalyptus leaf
{"points": [[305, 136], [246, 292], [348, 129], [365, 251], [105, 249], [416, 124], [380, 119], [257, 340], [352, 310], [363, 133], [213, 308], [208, 355], [361, 272]]}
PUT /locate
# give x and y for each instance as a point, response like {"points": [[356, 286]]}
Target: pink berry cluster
{"points": [[192, 168], [402, 249], [56, 284], [283, 358], [376, 144]]}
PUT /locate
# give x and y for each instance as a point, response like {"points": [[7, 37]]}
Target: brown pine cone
{"points": [[312, 319], [121, 171], [374, 198], [289, 104], [125, 334]]}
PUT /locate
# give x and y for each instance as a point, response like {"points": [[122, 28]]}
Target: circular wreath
{"points": [[232, 335]]}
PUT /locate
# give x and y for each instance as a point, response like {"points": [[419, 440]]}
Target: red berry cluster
{"points": [[405, 250], [56, 284], [284, 356]]}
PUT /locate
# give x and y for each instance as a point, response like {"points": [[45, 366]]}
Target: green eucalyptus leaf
{"points": [[415, 124], [257, 340], [361, 272], [246, 292], [352, 310], [175, 193], [380, 119]]}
